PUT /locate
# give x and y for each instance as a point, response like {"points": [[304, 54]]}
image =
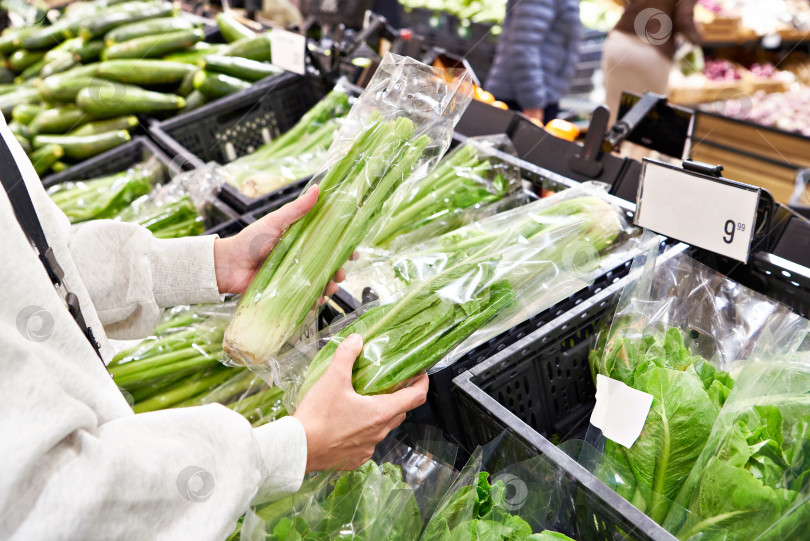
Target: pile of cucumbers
{"points": [[76, 87]]}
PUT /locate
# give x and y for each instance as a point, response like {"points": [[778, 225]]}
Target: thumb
{"points": [[345, 356], [294, 210]]}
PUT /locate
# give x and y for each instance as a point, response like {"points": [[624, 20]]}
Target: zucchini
{"points": [[7, 88], [194, 100], [67, 47], [241, 68], [24, 143], [81, 147], [87, 70], [187, 84], [216, 85], [12, 34], [89, 51], [231, 29], [115, 99], [255, 48], [65, 86], [147, 28], [111, 124], [48, 36], [59, 119], [59, 166], [144, 72], [98, 26], [196, 52], [31, 71], [23, 94], [25, 112], [153, 46], [22, 58], [20, 129], [58, 65], [44, 157]]}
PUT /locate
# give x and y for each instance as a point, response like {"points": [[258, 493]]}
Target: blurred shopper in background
{"points": [[536, 57], [638, 54]]}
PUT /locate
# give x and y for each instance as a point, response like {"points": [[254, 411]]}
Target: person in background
{"points": [[638, 54], [536, 56]]}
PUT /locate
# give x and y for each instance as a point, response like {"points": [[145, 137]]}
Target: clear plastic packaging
{"points": [[385, 498], [393, 135], [680, 333], [168, 212]]}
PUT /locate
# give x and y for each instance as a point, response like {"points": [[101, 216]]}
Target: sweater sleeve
{"points": [[132, 276], [529, 23]]}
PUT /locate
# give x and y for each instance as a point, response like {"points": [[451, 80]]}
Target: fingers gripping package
{"points": [[394, 134]]}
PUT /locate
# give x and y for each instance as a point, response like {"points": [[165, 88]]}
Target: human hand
{"points": [[237, 259], [535, 114], [343, 427]]}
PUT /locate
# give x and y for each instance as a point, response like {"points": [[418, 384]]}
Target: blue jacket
{"points": [[537, 54]]}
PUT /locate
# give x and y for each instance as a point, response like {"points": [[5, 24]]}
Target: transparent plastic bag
{"points": [[679, 333], [394, 134], [467, 177], [385, 498], [752, 480], [169, 211], [503, 492]]}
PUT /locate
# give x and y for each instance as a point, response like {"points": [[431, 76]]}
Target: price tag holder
{"points": [[289, 51], [712, 213]]}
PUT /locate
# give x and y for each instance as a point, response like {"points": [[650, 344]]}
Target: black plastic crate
{"points": [[125, 156], [541, 388], [238, 124]]}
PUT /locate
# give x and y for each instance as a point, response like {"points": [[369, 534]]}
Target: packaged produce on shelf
{"points": [[294, 155], [464, 178], [385, 498], [751, 479], [181, 365], [102, 62], [393, 135], [140, 195], [681, 333], [462, 301]]}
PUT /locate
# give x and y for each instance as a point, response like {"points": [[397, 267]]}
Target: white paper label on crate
{"points": [[620, 411], [288, 50], [714, 214]]}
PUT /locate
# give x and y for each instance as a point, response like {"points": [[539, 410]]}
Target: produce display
{"points": [[292, 156], [132, 196], [786, 111], [181, 366], [70, 89]]}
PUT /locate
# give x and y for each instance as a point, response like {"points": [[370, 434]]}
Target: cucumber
{"points": [[31, 71], [23, 94], [231, 29], [22, 58], [25, 112], [194, 100], [24, 143], [48, 36], [64, 86], [147, 28], [87, 70], [216, 85], [187, 84], [81, 147], [59, 119], [144, 72], [153, 46], [20, 129], [116, 99], [6, 75], [57, 65], [196, 52], [241, 68], [67, 47], [59, 166], [90, 51], [44, 157], [12, 34], [255, 48], [99, 26], [111, 124]]}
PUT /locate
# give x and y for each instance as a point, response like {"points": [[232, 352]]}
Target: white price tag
{"points": [[715, 214], [288, 50], [620, 410]]}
